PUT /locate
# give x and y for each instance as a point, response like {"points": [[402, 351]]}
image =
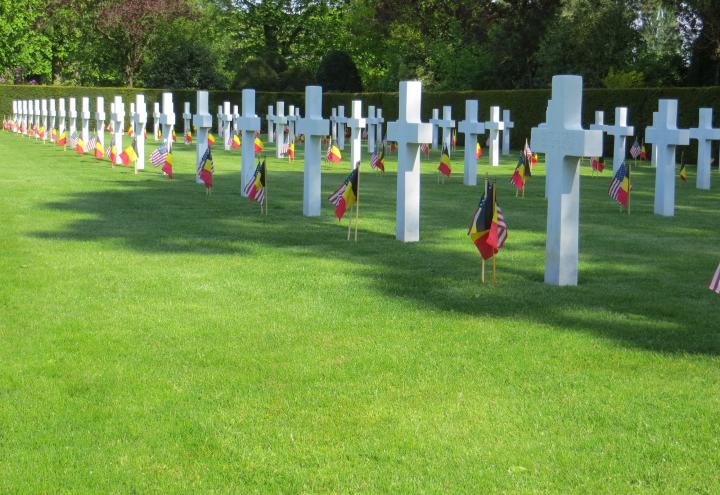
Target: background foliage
{"points": [[370, 45]]}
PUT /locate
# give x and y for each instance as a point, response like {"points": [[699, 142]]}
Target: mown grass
{"points": [[155, 340]]}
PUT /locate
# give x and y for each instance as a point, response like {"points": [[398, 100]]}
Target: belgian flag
{"points": [[235, 143], [683, 170], [522, 172], [345, 196], [188, 137], [598, 165], [255, 189], [206, 169], [333, 154], [488, 230], [99, 151], [444, 167], [478, 150], [291, 150], [129, 155], [62, 140], [211, 139], [258, 144], [167, 167]]}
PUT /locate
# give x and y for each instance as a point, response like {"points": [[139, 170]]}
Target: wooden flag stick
{"points": [[494, 207], [482, 273]]}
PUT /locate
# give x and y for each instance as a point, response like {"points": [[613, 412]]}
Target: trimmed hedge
{"points": [[527, 106]]}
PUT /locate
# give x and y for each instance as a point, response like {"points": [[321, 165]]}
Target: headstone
{"points": [[599, 125], [435, 127], [653, 155], [85, 119], [371, 122], [44, 116], [118, 121], [15, 115], [280, 124], [156, 119], [100, 120], [379, 126], [314, 128], [139, 123], [187, 118], [53, 114], [37, 117], [620, 131], [409, 132], [25, 119], [271, 123], [494, 126], [705, 135], [73, 114], [227, 118], [248, 124], [31, 114], [665, 136], [203, 123], [220, 120], [291, 123], [447, 124], [356, 123], [564, 141], [507, 124], [297, 117], [471, 128], [62, 116], [236, 115], [341, 121], [167, 119], [333, 125]]}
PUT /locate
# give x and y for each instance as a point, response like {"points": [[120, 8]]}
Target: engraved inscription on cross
{"points": [[564, 141]]}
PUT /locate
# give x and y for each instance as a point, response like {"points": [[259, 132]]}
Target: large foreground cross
{"points": [[564, 141], [409, 132]]}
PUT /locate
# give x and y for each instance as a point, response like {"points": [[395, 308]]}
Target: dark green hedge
{"points": [[528, 106]]}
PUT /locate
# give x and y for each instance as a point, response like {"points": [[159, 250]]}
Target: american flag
{"points": [[158, 156], [635, 150], [73, 140], [502, 227], [714, 284], [284, 148], [616, 190], [91, 144], [338, 194], [376, 160], [528, 152], [108, 150]]}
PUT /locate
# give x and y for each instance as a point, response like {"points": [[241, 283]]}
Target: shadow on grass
{"points": [[625, 296]]}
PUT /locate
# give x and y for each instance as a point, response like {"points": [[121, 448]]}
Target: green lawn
{"points": [[156, 340]]}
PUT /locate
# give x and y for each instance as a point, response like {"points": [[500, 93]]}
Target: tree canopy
{"points": [[351, 45]]}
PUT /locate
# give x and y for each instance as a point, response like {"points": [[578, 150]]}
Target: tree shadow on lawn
{"points": [[625, 295]]}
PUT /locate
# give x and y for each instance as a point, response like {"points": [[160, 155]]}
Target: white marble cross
{"points": [[665, 136], [85, 119], [471, 128], [270, 117], [220, 120], [291, 118], [333, 125], [508, 124], [167, 119], [53, 114], [139, 121], [297, 117], [187, 118], [118, 120], [341, 120], [44, 112], [227, 118], [564, 141], [371, 122], [434, 122], [620, 131], [156, 119], [314, 128], [100, 120], [653, 155], [356, 123], [72, 115], [23, 114], [280, 125], [203, 123], [236, 114], [705, 135], [599, 125], [447, 124], [131, 117], [15, 112], [37, 117], [248, 124], [62, 116], [409, 132], [379, 126], [494, 126]]}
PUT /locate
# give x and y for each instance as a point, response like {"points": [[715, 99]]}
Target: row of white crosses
{"points": [[620, 131], [493, 126]]}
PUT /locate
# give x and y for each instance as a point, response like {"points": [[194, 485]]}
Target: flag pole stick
{"points": [[357, 203], [482, 272]]}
